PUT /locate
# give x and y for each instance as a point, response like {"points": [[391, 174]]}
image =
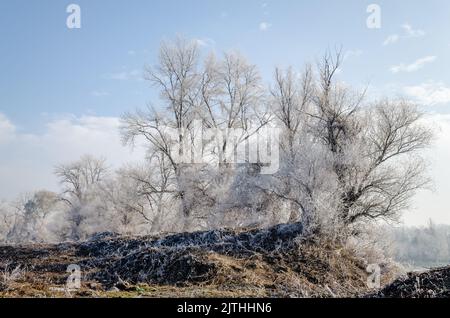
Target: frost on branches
{"points": [[342, 162]]}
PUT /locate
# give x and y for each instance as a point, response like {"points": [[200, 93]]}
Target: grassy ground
{"points": [[219, 264], [319, 273]]}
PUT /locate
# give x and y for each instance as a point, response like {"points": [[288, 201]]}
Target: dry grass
{"points": [[305, 269]]}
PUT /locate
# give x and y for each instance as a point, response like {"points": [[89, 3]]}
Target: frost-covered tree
{"points": [[82, 182], [343, 161], [222, 95], [176, 76], [36, 217], [8, 218], [426, 246], [141, 197]]}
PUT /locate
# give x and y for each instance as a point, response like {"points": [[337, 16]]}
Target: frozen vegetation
{"points": [[344, 164]]}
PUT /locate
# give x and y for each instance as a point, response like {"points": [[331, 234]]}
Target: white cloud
{"points": [[7, 129], [429, 93], [264, 26], [408, 32], [415, 66], [28, 160], [205, 42], [391, 39], [412, 33], [352, 53], [132, 52]]}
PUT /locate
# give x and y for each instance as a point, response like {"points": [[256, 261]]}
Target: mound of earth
{"points": [[272, 262], [431, 284]]}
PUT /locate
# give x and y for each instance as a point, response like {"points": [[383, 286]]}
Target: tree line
{"points": [[344, 162]]}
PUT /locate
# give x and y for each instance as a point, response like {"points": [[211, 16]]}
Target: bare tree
{"points": [[31, 218], [147, 192], [232, 96], [291, 99], [81, 180], [389, 168], [365, 159], [224, 95], [176, 76], [79, 177], [342, 160], [8, 221]]}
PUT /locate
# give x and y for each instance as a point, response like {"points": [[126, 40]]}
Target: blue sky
{"points": [[47, 69], [51, 75]]}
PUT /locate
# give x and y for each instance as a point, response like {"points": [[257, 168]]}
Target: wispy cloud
{"points": [[352, 53], [264, 26], [391, 39], [411, 32], [205, 42], [408, 32], [429, 93], [415, 66], [7, 129]]}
